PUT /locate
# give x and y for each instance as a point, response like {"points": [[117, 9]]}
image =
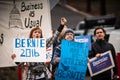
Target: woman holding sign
{"points": [[37, 71], [68, 35], [99, 47]]}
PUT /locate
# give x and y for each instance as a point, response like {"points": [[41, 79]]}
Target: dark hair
{"points": [[99, 28]]}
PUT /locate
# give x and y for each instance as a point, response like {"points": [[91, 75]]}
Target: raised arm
{"points": [[57, 32]]}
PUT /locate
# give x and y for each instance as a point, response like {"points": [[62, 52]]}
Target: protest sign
{"points": [[73, 61], [84, 39], [30, 50], [17, 18], [101, 64]]}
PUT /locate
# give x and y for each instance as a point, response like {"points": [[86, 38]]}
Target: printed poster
{"points": [[73, 61], [84, 39], [99, 65]]}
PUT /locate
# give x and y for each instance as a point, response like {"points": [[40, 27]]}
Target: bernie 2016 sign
{"points": [[30, 49]]}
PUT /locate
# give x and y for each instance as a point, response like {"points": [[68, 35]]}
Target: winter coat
{"points": [[39, 70], [101, 46]]}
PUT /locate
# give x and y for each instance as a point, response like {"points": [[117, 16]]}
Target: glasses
{"points": [[98, 32]]}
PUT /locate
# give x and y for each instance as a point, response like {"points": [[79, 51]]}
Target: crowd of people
{"points": [[97, 48]]}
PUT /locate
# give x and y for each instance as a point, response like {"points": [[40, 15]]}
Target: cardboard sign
{"points": [[30, 49], [101, 64], [73, 61]]}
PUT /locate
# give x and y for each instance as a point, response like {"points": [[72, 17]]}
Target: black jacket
{"points": [[101, 46]]}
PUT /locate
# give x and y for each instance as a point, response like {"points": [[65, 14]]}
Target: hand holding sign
{"points": [[57, 59], [13, 56], [101, 64], [98, 55], [29, 50]]}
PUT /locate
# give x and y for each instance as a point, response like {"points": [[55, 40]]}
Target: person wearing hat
{"points": [[68, 35]]}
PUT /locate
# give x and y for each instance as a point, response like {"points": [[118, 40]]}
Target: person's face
{"points": [[100, 34], [36, 34], [69, 36]]}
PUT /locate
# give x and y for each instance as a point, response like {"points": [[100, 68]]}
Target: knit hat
{"points": [[68, 30]]}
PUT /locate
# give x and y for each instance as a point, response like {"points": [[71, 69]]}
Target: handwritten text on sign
{"points": [[73, 61], [30, 49]]}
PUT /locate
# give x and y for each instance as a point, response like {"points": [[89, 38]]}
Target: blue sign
{"points": [[73, 62], [84, 39]]}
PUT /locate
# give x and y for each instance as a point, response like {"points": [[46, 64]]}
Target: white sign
{"points": [[49, 53], [17, 18], [30, 50]]}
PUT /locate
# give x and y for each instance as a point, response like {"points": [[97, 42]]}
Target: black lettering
{"points": [[22, 7], [2, 39], [27, 22], [33, 23], [40, 20], [31, 6]]}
